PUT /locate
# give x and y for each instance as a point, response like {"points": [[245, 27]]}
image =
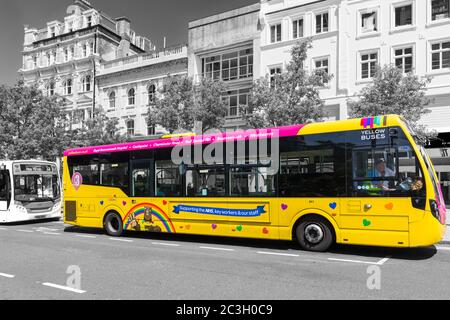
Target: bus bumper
{"points": [[426, 232]]}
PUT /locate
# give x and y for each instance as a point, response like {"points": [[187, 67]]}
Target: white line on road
{"points": [[442, 248], [382, 261], [166, 244], [45, 229], [52, 233], [214, 248], [279, 254], [3, 229], [85, 236], [57, 286], [28, 231], [7, 275], [123, 240], [354, 261]]}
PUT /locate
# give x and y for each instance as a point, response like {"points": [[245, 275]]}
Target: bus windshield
{"points": [[4, 186], [36, 187]]}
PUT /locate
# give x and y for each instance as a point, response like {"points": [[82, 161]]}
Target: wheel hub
{"points": [[313, 233]]}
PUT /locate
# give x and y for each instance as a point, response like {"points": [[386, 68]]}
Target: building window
{"points": [[91, 48], [85, 50], [66, 54], [151, 94], [273, 72], [35, 64], [130, 127], [369, 21], [275, 33], [87, 84], [440, 9], [322, 64], [151, 130], [89, 21], [72, 52], [50, 89], [235, 101], [112, 100], [369, 63], [440, 55], [131, 97], [52, 32], [322, 23], [70, 26], [229, 66], [68, 87], [297, 29], [404, 59], [54, 57], [403, 15]]}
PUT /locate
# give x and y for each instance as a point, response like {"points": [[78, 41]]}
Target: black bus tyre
{"points": [[113, 224], [314, 234]]}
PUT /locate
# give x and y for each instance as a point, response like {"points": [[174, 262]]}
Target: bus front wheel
{"points": [[113, 224], [314, 233]]}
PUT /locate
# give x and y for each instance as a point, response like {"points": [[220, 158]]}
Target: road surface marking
{"points": [[52, 233], [6, 275], [123, 240], [382, 261], [279, 254], [85, 236], [21, 230], [214, 248], [354, 261], [3, 229], [166, 244], [45, 229], [443, 248], [57, 286]]}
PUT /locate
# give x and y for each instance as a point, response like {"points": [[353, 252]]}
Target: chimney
{"points": [[123, 27]]}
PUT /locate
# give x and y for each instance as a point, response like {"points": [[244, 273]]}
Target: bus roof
{"points": [[250, 134]]}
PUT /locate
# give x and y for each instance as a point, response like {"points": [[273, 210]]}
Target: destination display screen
{"points": [[30, 168]]}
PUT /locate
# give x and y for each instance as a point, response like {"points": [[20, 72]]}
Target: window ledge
{"points": [[438, 72], [364, 81], [438, 23], [403, 29], [368, 35]]}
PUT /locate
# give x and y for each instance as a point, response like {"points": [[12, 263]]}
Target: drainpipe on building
{"points": [[95, 73]]}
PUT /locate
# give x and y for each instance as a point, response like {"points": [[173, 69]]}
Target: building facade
{"points": [[128, 86], [350, 38], [64, 57]]}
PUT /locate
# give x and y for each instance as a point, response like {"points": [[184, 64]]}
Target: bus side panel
{"points": [[375, 238]]}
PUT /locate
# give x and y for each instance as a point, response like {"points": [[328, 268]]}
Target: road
{"points": [[37, 259]]}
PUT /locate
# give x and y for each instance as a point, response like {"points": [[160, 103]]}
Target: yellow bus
{"points": [[359, 181]]}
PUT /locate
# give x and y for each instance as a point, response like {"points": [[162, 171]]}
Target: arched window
{"points": [[50, 89], [112, 100], [151, 94], [131, 97], [67, 87], [87, 84], [130, 127]]}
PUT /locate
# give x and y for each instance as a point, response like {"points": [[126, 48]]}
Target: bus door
{"points": [[377, 200], [5, 190]]}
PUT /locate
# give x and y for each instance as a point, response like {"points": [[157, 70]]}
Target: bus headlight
{"points": [[435, 210]]}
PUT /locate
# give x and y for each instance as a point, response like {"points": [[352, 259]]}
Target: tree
{"points": [[182, 102], [393, 92], [31, 125], [291, 97], [99, 130]]}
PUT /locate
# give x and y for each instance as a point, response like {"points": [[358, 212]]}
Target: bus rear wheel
{"points": [[314, 234], [113, 224]]}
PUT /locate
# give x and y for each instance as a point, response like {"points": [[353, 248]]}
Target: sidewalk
{"points": [[446, 239]]}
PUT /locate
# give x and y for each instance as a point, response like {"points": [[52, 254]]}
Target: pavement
{"points": [[51, 260]]}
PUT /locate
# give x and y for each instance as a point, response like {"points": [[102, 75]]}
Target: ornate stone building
{"points": [[65, 57]]}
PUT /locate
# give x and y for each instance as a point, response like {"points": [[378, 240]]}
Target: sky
{"points": [[154, 19]]}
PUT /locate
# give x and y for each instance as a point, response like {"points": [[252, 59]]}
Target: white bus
{"points": [[29, 190]]}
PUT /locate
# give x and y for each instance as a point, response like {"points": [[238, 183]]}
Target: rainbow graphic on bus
{"points": [[374, 122], [146, 215]]}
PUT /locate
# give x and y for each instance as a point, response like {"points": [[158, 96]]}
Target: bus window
{"points": [[312, 166], [168, 179], [384, 167], [251, 181], [5, 190], [206, 182], [141, 175]]}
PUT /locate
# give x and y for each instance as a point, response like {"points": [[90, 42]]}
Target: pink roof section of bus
{"points": [[250, 134]]}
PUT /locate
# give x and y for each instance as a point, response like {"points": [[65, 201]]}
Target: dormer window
{"points": [[89, 21], [52, 32]]}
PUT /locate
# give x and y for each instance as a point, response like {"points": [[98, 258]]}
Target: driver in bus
{"points": [[381, 170]]}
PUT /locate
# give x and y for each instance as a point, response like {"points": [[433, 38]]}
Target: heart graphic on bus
{"points": [[214, 226], [284, 206], [239, 228], [164, 202], [333, 205], [366, 223], [265, 231], [389, 206]]}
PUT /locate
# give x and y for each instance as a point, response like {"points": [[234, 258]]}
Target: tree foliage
{"points": [[182, 102], [33, 126], [393, 92], [293, 96]]}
